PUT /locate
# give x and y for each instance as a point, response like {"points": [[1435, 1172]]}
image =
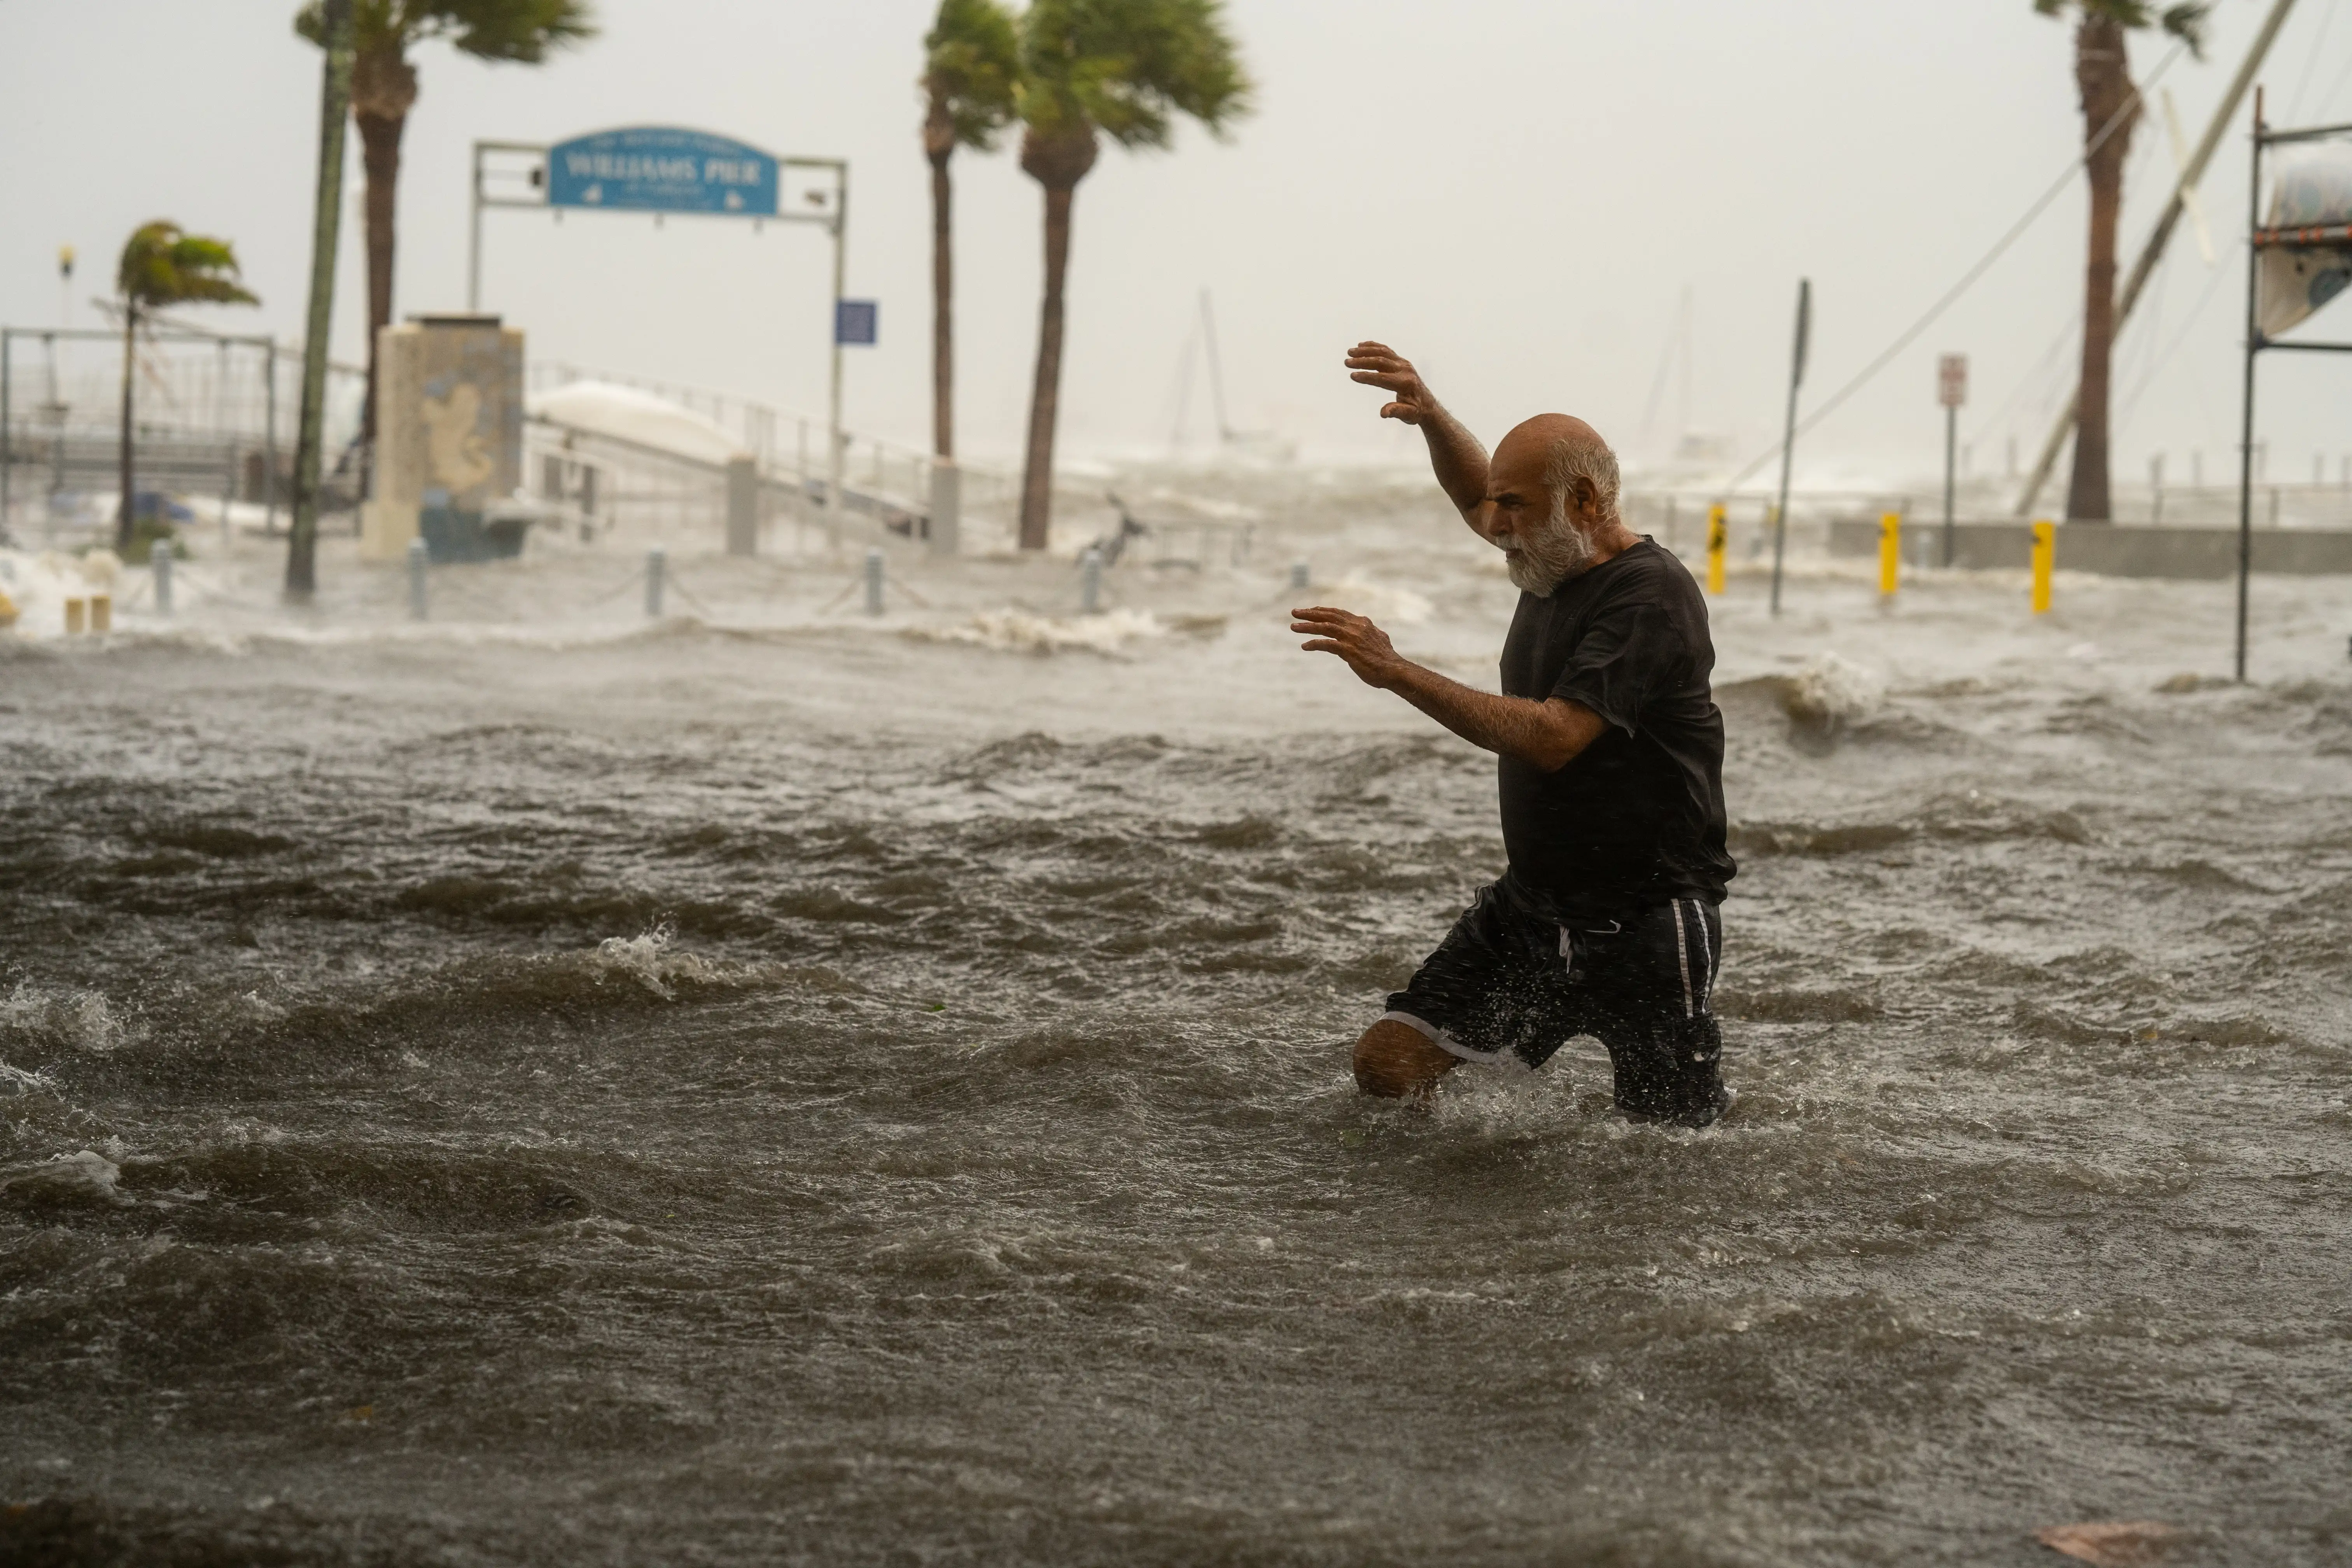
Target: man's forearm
{"points": [[1457, 460], [1545, 734]]}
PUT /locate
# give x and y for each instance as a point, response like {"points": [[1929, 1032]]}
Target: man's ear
{"points": [[1584, 499]]}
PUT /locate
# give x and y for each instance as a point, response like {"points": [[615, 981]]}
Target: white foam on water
{"points": [[1833, 691], [1019, 631], [88, 1172], [28, 1081], [78, 1018], [647, 958], [1401, 606]]}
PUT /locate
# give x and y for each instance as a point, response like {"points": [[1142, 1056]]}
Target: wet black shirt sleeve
{"points": [[1630, 655]]}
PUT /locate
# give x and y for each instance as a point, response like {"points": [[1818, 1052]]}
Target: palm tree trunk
{"points": [[2102, 73], [942, 309], [1044, 401], [380, 153], [130, 368]]}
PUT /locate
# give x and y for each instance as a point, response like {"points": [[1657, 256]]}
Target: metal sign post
{"points": [[663, 170], [1951, 391], [1788, 432]]}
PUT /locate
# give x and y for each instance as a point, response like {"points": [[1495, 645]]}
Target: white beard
{"points": [[1550, 555]]}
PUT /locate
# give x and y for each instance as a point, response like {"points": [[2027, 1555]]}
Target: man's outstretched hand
{"points": [[1377, 365], [1364, 645]]}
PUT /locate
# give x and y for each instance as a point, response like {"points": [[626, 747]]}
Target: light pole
{"points": [[334, 109], [1788, 432], [1951, 391]]}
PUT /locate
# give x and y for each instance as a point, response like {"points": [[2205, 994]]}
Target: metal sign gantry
{"points": [[663, 170]]}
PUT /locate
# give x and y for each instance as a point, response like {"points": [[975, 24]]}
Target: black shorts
{"points": [[1508, 983]]}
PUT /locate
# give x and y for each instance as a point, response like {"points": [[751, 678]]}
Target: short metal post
{"points": [[874, 581], [158, 564], [656, 563], [1298, 575], [1090, 581], [416, 602]]}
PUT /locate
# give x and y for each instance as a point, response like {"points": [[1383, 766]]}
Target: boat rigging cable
{"points": [[1910, 334]]}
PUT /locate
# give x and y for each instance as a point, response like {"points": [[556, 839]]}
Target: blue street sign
{"points": [[853, 321], [654, 168]]}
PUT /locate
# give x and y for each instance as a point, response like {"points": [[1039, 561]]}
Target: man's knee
{"points": [[1397, 1061]]}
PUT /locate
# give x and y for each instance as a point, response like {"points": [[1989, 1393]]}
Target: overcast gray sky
{"points": [[1517, 192]]}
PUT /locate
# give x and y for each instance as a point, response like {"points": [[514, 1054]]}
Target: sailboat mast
{"points": [[1217, 371]]}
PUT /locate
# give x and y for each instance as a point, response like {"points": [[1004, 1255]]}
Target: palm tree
{"points": [[383, 89], [2111, 107], [1091, 69], [972, 57], [162, 265]]}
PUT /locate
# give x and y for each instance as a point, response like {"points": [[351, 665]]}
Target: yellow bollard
{"points": [[2045, 556], [101, 613], [1890, 553], [74, 608], [1718, 539]]}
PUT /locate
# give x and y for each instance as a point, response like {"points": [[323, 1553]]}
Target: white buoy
{"points": [[874, 581], [159, 562], [416, 579], [655, 565], [1090, 581]]}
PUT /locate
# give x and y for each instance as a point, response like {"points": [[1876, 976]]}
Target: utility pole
{"points": [[334, 109], [1788, 432]]}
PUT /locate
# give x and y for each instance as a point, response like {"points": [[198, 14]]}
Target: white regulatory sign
{"points": [[1952, 380]]}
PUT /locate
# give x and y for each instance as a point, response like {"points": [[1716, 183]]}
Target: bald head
{"points": [[1566, 457], [1551, 501]]}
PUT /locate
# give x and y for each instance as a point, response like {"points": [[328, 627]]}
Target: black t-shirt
{"points": [[1636, 817]]}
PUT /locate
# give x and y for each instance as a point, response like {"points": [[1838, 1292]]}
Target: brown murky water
{"points": [[529, 1089]]}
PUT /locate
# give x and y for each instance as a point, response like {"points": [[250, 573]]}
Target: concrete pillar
{"points": [[742, 507], [947, 506]]}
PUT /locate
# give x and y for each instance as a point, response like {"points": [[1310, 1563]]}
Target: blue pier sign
{"points": [[662, 169]]}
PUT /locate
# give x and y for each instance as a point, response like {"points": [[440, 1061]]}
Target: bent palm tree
{"points": [[2111, 109], [1091, 69], [970, 58], [383, 89], [162, 265]]}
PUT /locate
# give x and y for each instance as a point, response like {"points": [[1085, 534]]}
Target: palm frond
{"points": [[1129, 67], [2185, 22], [971, 62], [161, 265]]}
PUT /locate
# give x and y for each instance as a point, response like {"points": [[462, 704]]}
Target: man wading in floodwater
{"points": [[1612, 772]]}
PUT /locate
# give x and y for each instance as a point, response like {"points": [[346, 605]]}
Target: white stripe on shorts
{"points": [[1682, 953]]}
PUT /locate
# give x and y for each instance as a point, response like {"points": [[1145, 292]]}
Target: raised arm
{"points": [[1455, 454]]}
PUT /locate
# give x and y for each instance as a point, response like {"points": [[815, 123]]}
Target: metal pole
{"points": [[1952, 435], [302, 536], [2153, 251], [7, 430], [269, 436], [474, 240], [417, 580], [833, 422], [1789, 432], [2246, 427], [654, 563]]}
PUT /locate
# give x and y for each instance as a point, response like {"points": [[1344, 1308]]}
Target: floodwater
{"points": [[776, 1084]]}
